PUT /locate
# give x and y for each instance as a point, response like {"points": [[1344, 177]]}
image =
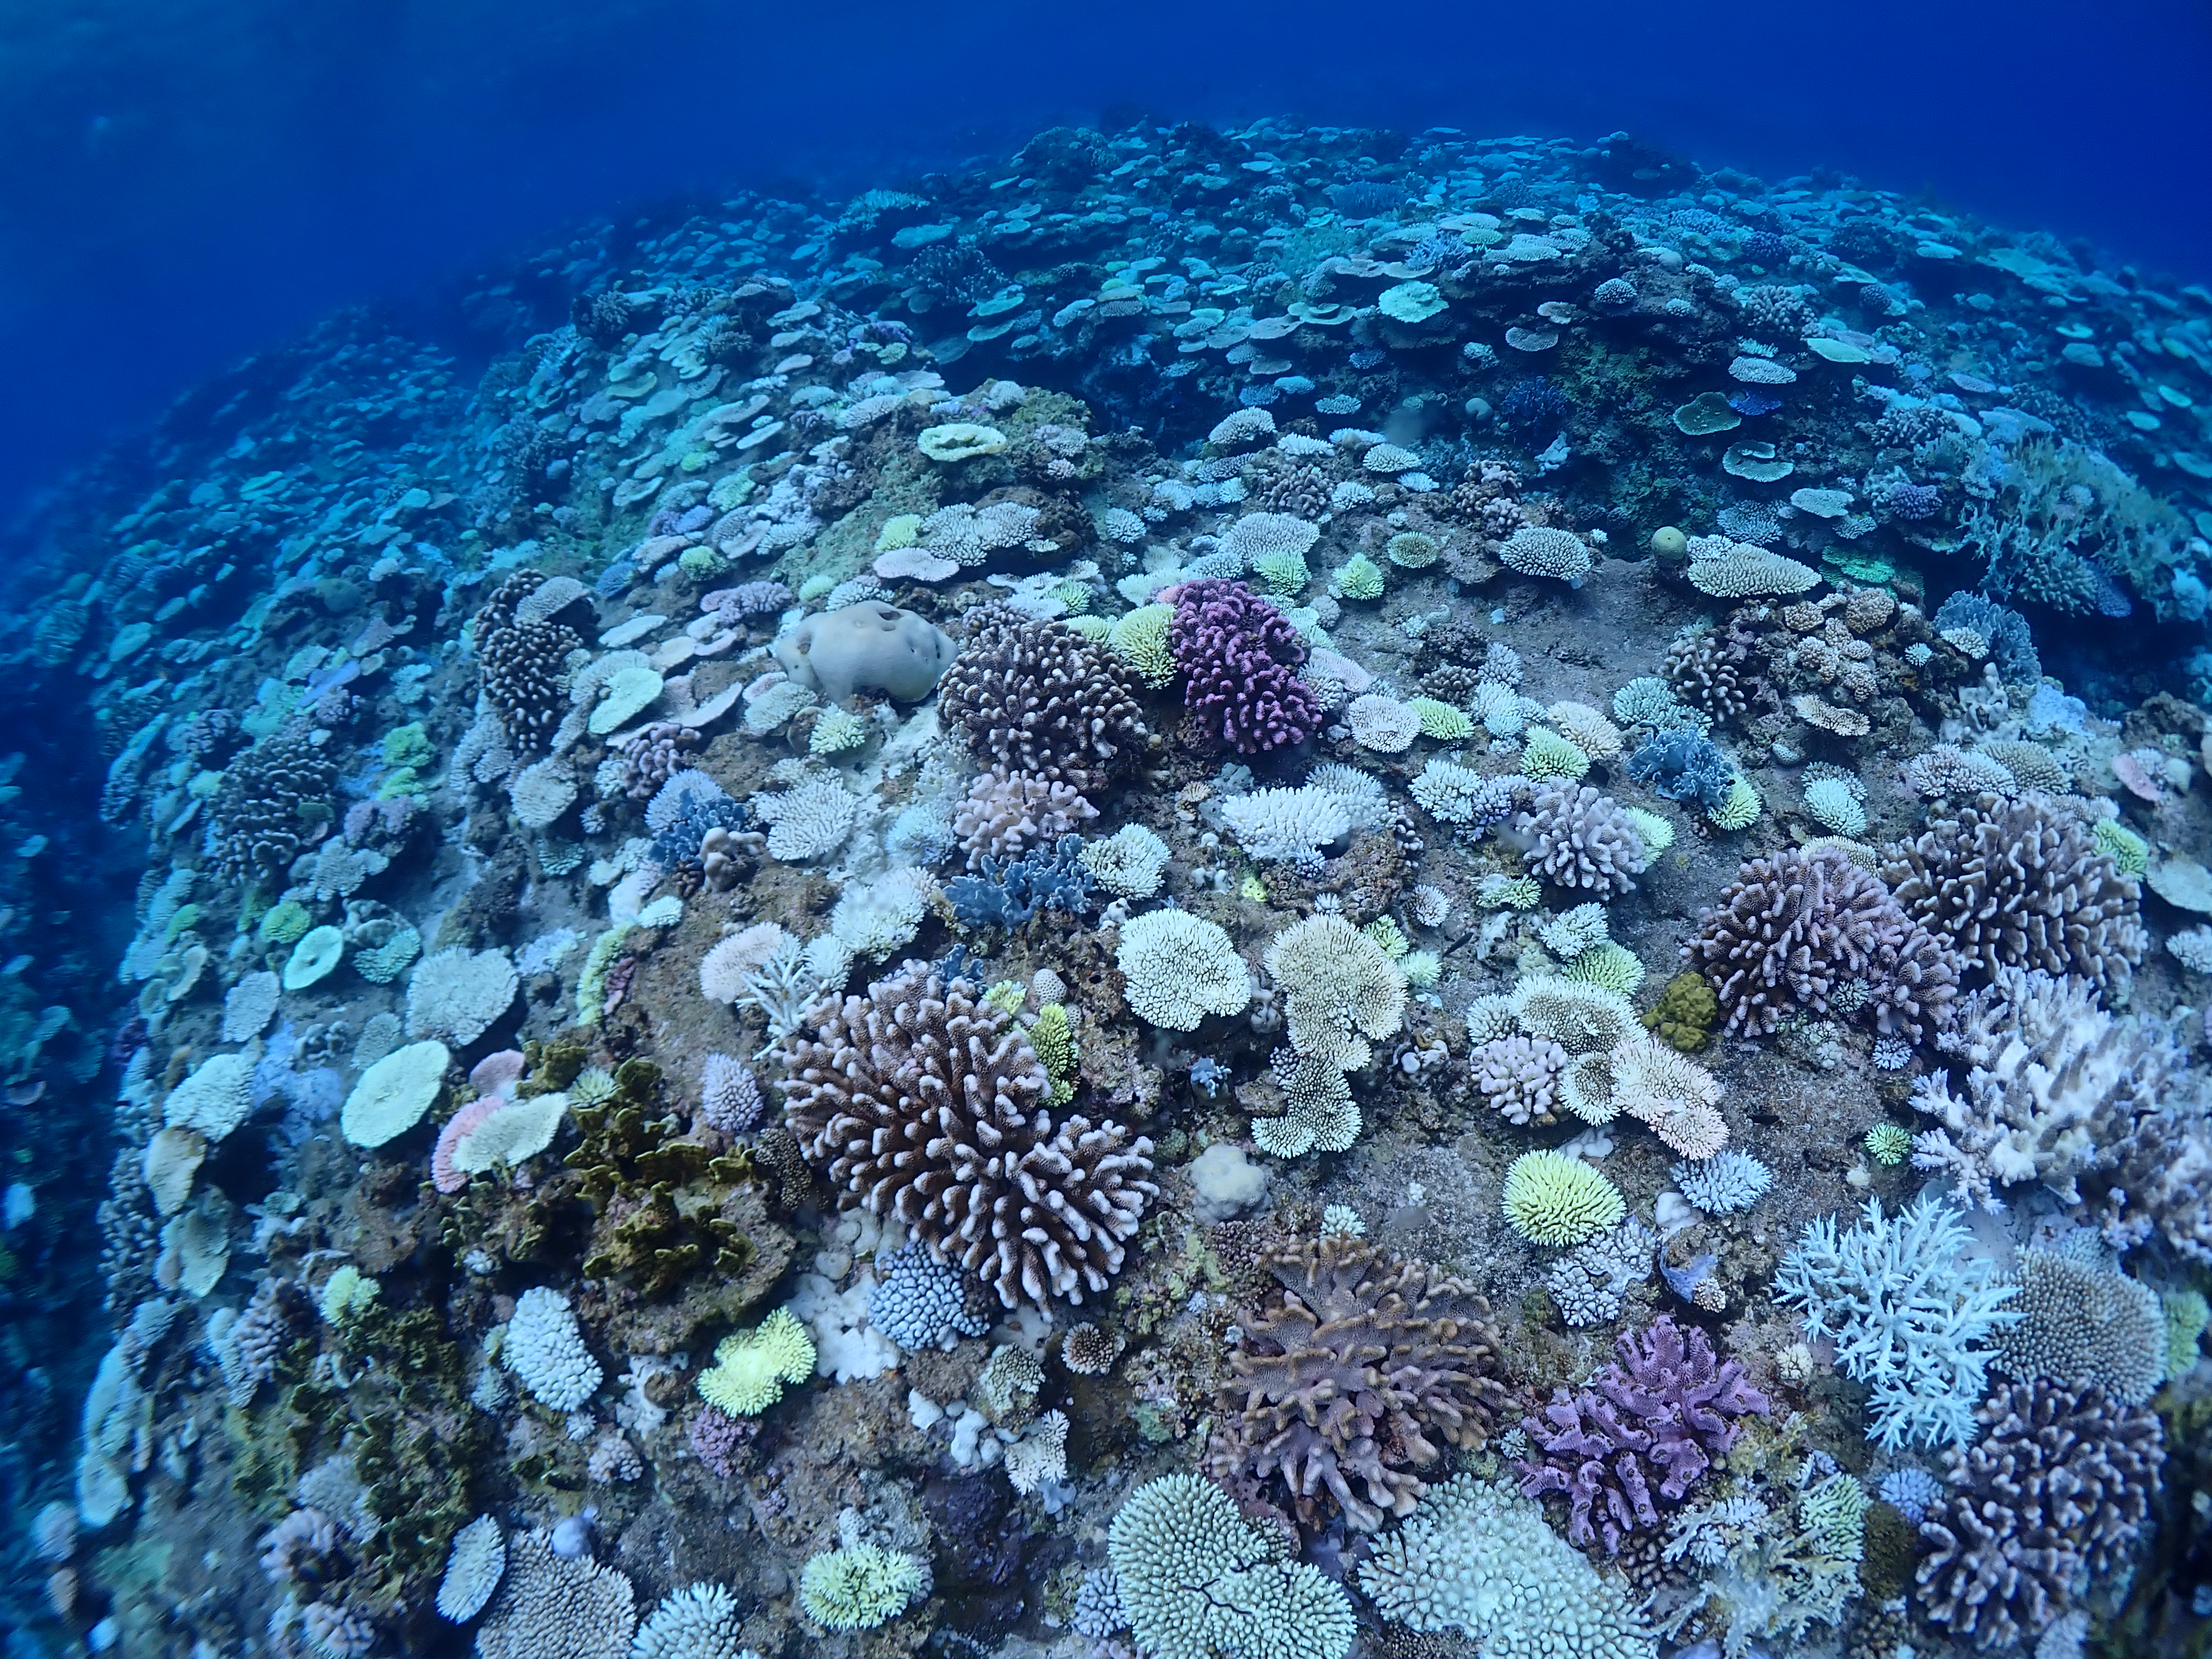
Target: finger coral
{"points": [[1041, 699]]}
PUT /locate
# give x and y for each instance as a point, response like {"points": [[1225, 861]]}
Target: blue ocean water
{"points": [[185, 183], [1417, 614]]}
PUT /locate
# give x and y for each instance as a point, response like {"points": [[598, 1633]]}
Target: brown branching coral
{"points": [[1355, 1365], [2020, 883], [1809, 932], [1709, 670], [921, 1101], [2058, 1486], [1042, 699], [524, 663]]}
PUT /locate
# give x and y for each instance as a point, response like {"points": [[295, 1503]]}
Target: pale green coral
{"points": [[1285, 571], [899, 531], [285, 924], [701, 563], [2187, 1314], [1886, 1144], [861, 1586], [1497, 892], [1054, 1039], [347, 1294], [1612, 966], [408, 746], [592, 983], [2127, 849], [1422, 969], [1559, 1201], [835, 731], [1359, 578], [1740, 810], [1386, 933], [1548, 756], [1140, 639], [751, 1367], [1657, 832], [1440, 720]]}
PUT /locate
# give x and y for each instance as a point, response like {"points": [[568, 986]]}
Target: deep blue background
{"points": [[182, 181]]}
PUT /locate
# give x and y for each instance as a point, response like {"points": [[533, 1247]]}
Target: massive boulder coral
{"points": [[923, 1102], [1041, 699], [2059, 1485], [1809, 932], [1643, 1432], [2021, 884], [1239, 657], [1354, 1365], [525, 662]]}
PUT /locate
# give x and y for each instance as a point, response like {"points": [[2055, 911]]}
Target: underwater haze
{"points": [[973, 834]]}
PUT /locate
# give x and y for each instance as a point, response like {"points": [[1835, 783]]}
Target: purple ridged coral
{"points": [[1239, 657], [1645, 1431]]}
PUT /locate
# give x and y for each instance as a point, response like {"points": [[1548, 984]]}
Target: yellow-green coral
{"points": [[835, 731], [1140, 639], [859, 1586], [751, 1367], [1386, 933], [899, 531], [1741, 810], [2121, 845], [1547, 755], [1683, 1016], [1888, 1144], [1440, 720], [1359, 578], [592, 983], [1656, 832], [2187, 1313], [1557, 1200], [409, 746], [1422, 969], [1611, 965], [1285, 571], [285, 924], [1054, 1039], [347, 1294]]}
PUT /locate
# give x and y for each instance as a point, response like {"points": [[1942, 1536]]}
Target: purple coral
{"points": [[1649, 1426], [716, 1438], [1239, 657]]}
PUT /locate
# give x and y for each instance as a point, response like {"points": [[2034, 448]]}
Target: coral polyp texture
{"points": [[1202, 894]]}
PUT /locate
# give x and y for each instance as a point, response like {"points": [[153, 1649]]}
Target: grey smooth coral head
{"points": [[1808, 931], [1355, 1365], [871, 645], [923, 1102]]}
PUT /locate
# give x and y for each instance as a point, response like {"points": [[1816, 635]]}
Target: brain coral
{"points": [[1354, 1364], [924, 1102], [1792, 931], [1577, 837], [2021, 884], [1041, 699]]}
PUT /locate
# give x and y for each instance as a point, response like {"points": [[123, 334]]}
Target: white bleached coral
{"points": [[456, 995], [1290, 825], [545, 1349], [1129, 863], [1178, 968]]}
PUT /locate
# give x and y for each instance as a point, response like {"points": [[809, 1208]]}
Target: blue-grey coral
{"points": [[1913, 1310]]}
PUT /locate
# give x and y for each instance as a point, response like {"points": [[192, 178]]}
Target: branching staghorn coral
{"points": [[1352, 1367], [922, 1101]]}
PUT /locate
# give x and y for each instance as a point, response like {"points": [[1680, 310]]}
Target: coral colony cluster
{"points": [[1220, 895]]}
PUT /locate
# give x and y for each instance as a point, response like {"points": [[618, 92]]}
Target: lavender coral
{"points": [[1642, 1434], [1239, 657]]}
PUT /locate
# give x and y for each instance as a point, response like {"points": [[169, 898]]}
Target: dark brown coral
{"points": [[273, 801], [2057, 1487], [1809, 932], [2020, 883], [922, 1102], [1352, 1367], [524, 663], [1042, 699]]}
